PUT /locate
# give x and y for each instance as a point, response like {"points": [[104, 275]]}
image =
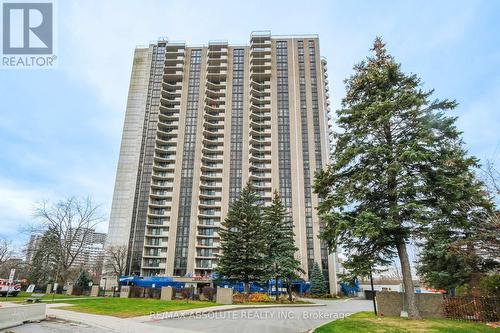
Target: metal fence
{"points": [[472, 308]]}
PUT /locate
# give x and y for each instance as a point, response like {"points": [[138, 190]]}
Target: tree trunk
{"points": [[409, 290], [289, 290], [373, 294], [246, 286], [277, 289]]}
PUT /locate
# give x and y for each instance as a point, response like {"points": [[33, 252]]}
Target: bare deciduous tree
{"points": [[491, 177], [6, 251], [116, 260], [71, 221]]}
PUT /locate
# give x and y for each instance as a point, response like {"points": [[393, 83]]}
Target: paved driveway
{"points": [[271, 320]]}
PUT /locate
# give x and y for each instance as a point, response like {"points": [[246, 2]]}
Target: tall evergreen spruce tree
{"points": [[318, 284], [375, 193], [243, 241], [280, 243], [43, 267], [83, 280], [461, 240]]}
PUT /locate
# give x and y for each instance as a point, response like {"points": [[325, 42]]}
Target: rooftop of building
{"points": [[253, 34]]}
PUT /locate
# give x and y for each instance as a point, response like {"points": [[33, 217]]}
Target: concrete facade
{"points": [[200, 123]]}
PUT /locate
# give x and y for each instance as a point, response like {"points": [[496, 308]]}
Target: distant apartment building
{"points": [[90, 242], [93, 247], [201, 122], [32, 246]]}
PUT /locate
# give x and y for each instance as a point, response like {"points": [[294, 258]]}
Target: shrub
{"points": [[258, 297], [238, 298], [489, 285], [254, 298]]}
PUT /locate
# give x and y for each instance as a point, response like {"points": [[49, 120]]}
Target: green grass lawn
{"points": [[48, 297], [366, 322], [131, 307]]}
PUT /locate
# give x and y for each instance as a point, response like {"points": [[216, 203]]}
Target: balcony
{"points": [[160, 202], [165, 117], [260, 108], [211, 175], [163, 234], [174, 58], [214, 68], [215, 108], [153, 265], [213, 132], [258, 175], [215, 93], [259, 51], [260, 100], [260, 166], [160, 193], [210, 203], [168, 132], [166, 125], [214, 52], [164, 175], [171, 94], [162, 183], [164, 157], [258, 124], [174, 51], [260, 131], [211, 166], [217, 74], [204, 184], [215, 100], [171, 107], [260, 140]]}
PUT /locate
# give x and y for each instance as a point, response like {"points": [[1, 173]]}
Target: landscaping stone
{"points": [[125, 292], [224, 296], [94, 292], [166, 293]]}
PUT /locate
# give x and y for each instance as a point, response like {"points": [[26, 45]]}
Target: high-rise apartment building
{"points": [[88, 243], [201, 122]]}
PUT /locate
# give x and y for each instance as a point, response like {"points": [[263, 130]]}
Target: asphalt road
{"points": [[55, 326], [271, 320]]}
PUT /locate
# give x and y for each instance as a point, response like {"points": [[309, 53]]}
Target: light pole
{"points": [[373, 294]]}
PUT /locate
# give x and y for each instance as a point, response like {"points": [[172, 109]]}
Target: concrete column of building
{"points": [[130, 150]]}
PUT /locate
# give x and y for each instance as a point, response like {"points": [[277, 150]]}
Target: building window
{"points": [[235, 165], [305, 157], [186, 184], [285, 173]]}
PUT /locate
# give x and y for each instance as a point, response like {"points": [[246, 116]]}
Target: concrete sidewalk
{"points": [[109, 323]]}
